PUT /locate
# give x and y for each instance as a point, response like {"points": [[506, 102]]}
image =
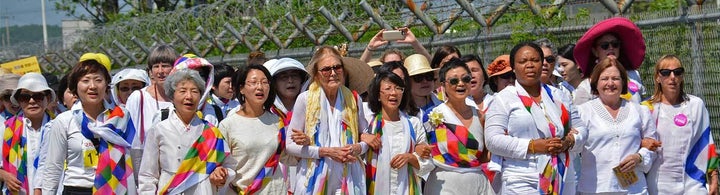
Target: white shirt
{"points": [[667, 175], [608, 141], [65, 143], [166, 146], [253, 141], [150, 107], [32, 137]]}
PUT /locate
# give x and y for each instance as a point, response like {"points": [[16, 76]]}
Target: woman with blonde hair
{"points": [[687, 162], [327, 124]]}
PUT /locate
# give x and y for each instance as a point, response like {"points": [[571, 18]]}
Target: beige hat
{"points": [[417, 64], [375, 63], [8, 83]]}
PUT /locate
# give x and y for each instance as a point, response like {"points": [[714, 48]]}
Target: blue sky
{"points": [[25, 12]]}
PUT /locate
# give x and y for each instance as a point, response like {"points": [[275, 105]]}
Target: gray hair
{"points": [[183, 75], [544, 42]]}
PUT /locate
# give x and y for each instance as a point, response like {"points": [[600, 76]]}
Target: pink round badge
{"points": [[680, 120], [633, 87]]}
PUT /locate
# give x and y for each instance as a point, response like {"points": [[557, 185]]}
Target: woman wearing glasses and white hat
{"points": [[22, 134], [126, 82]]}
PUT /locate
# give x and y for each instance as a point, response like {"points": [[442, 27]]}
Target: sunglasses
{"points": [[24, 97], [507, 75], [125, 89], [337, 68], [430, 76], [550, 59], [607, 45], [666, 72], [455, 81]]}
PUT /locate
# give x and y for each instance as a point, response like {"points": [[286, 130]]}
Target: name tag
{"points": [[90, 155]]}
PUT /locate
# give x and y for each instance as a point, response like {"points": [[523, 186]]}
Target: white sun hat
{"points": [[34, 82]]}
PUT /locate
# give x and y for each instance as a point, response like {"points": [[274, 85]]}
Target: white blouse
{"points": [[150, 107], [65, 143], [679, 127], [166, 146], [253, 141], [331, 127], [608, 141]]}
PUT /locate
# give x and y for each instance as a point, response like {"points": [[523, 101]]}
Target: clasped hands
{"points": [[554, 145]]}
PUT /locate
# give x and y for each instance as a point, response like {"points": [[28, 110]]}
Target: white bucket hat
{"points": [[276, 66], [127, 74], [34, 82]]}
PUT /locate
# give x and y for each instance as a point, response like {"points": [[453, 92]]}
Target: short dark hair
{"points": [[472, 57], [521, 45], [452, 64], [62, 86], [411, 107], [240, 78], [374, 92], [605, 64], [222, 70], [83, 68], [443, 52], [566, 51], [256, 58]]}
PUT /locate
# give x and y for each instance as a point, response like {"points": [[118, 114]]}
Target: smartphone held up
{"points": [[393, 35]]}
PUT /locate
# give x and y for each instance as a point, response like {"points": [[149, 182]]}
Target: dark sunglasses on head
{"points": [[666, 72], [430, 76], [550, 59], [455, 81], [507, 75], [327, 69], [606, 45], [24, 97], [124, 89]]}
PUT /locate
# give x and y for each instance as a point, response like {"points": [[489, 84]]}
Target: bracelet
{"points": [[369, 49], [532, 148], [641, 158]]}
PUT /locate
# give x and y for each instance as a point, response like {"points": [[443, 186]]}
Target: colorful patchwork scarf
{"points": [[263, 177], [15, 151], [208, 152], [114, 172], [374, 156], [551, 179], [317, 182], [454, 145]]}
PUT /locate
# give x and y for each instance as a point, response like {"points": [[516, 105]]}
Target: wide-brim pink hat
{"points": [[632, 46]]}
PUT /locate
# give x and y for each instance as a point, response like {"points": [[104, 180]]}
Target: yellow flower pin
{"points": [[436, 118]]}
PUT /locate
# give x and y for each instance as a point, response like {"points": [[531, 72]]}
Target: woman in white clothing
{"points": [[456, 135], [90, 145], [256, 137], [326, 128], [177, 150], [615, 128], [687, 162], [126, 82], [394, 168], [22, 133], [529, 128], [146, 102]]}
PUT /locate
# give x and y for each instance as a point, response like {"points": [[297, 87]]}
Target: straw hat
{"points": [[34, 82], [417, 64], [499, 66], [632, 44], [359, 74], [99, 57], [375, 63]]}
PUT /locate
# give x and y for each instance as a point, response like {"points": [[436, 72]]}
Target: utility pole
{"points": [[44, 26]]}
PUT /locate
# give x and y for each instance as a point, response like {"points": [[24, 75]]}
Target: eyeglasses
{"points": [[326, 71], [550, 59], [24, 97], [393, 89], [507, 75], [455, 81], [430, 76], [666, 72], [125, 89], [606, 45], [263, 83]]}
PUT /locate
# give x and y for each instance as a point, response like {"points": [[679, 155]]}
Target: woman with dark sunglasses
{"points": [[618, 37], [422, 84], [126, 82], [456, 135], [8, 83], [23, 132], [528, 126], [686, 163]]}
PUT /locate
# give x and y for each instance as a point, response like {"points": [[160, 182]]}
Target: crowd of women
{"points": [[539, 120]]}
